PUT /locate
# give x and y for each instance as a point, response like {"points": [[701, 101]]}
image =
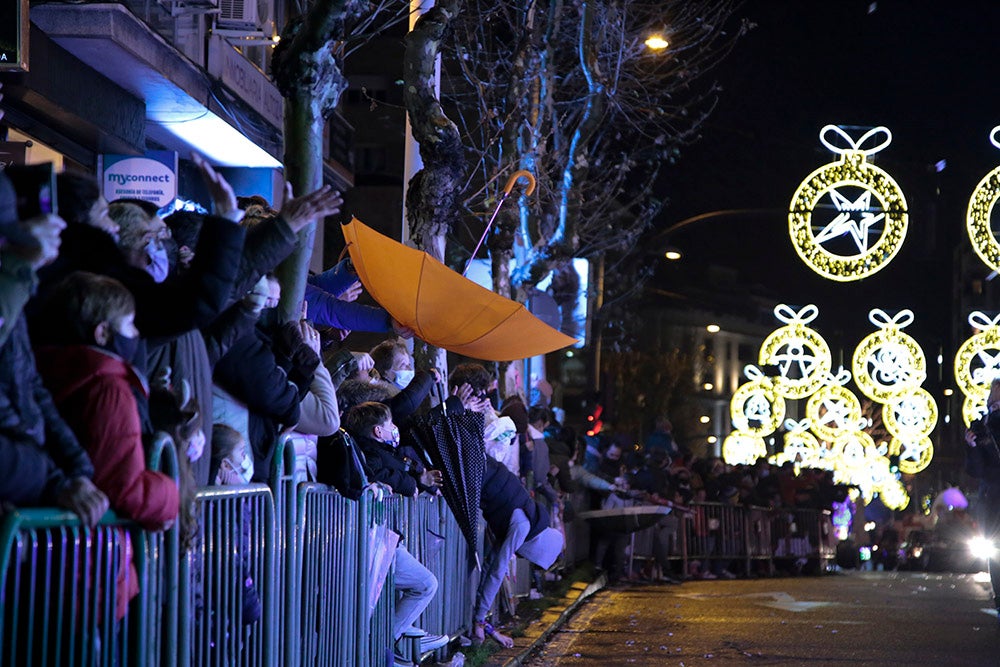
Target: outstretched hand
{"points": [[300, 211], [83, 498], [219, 189]]}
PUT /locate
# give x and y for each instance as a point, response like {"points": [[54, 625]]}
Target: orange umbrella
{"points": [[442, 307]]}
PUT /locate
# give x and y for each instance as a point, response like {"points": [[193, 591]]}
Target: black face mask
{"points": [[123, 346]]}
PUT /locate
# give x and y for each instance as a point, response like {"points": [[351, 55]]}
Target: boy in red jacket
{"points": [[91, 379]]}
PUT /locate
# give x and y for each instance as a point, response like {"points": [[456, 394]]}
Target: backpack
{"points": [[340, 464]]}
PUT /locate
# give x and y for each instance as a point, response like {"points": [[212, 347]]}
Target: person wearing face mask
{"points": [[408, 389], [372, 427], [91, 378]]}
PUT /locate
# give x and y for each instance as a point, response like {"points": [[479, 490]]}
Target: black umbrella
{"points": [[453, 442]]}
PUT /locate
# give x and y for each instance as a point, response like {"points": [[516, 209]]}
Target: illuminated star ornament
{"points": [[756, 407], [978, 219], [848, 219]]}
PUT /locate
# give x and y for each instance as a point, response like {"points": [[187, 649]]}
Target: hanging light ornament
{"points": [[801, 447], [888, 363], [742, 448], [756, 407], [834, 408], [977, 361], [801, 355], [977, 220], [859, 210], [914, 454], [912, 415]]}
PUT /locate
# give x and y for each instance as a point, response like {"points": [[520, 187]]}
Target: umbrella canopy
{"points": [[441, 306], [453, 441]]}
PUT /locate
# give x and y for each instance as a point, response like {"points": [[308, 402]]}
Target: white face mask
{"points": [[237, 474], [404, 377], [159, 264]]}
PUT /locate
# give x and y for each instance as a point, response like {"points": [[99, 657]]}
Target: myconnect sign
{"points": [[152, 177]]}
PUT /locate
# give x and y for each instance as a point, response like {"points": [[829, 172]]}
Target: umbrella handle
{"points": [[506, 193], [520, 173]]}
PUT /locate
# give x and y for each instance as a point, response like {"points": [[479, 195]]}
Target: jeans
{"points": [[496, 567], [415, 585]]}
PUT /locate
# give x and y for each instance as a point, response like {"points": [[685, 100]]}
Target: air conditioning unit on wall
{"points": [[240, 15]]}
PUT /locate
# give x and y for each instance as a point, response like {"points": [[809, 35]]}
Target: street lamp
{"points": [[657, 42], [673, 254], [713, 328]]}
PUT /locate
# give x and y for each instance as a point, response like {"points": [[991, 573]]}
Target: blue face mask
{"points": [[393, 440], [159, 263], [123, 346], [403, 378]]}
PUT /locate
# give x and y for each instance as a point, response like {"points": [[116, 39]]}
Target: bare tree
{"points": [[307, 67], [570, 91]]}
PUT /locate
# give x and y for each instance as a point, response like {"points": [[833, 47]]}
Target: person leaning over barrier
{"points": [[372, 427]]}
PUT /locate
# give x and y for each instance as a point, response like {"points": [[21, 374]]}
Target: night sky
{"points": [[926, 70]]}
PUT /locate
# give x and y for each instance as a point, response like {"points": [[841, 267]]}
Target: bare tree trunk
{"points": [[307, 70], [432, 195]]}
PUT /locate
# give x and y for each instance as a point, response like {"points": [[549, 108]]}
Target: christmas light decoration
{"points": [[800, 353], [742, 448], [977, 361], [801, 447], [980, 213], [843, 249], [914, 455], [756, 407], [912, 415], [888, 363], [974, 408], [834, 408]]}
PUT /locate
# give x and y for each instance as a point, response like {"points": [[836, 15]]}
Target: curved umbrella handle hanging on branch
{"points": [[514, 178]]}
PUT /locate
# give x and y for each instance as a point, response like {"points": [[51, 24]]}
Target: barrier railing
{"points": [[233, 563], [721, 532]]}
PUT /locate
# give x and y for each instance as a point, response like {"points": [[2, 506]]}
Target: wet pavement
{"points": [[855, 618]]}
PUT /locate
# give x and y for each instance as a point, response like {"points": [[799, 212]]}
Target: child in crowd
{"points": [[371, 425], [92, 380]]}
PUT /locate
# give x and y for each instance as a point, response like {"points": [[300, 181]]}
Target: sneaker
{"points": [[708, 575], [726, 574], [414, 631], [433, 642]]}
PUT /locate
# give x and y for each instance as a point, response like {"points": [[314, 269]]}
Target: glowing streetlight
{"points": [[712, 440], [657, 42], [948, 392], [704, 419], [672, 255], [713, 328]]}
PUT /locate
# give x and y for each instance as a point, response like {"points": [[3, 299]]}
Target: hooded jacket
{"points": [[92, 389]]}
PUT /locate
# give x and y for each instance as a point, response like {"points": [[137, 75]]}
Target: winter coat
{"points": [[326, 309], [983, 460], [399, 467], [39, 453], [502, 494], [250, 373], [93, 390]]}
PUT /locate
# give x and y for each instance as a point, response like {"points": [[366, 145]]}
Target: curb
{"points": [[558, 621]]}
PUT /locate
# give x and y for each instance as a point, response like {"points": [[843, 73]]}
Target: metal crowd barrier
{"points": [[718, 531], [62, 584]]}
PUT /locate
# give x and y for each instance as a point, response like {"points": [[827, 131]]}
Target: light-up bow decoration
{"points": [[859, 210], [910, 416], [800, 353], [888, 363], [977, 220]]}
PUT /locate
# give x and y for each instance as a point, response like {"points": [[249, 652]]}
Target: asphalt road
{"points": [[855, 618]]}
